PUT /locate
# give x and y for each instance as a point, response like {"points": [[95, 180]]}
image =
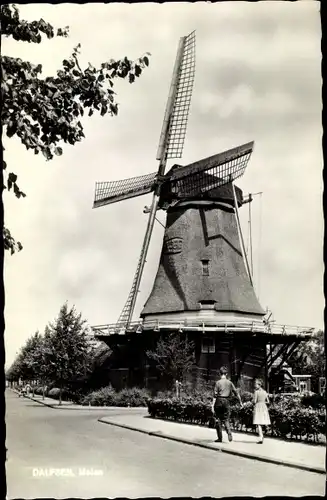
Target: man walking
{"points": [[224, 388]]}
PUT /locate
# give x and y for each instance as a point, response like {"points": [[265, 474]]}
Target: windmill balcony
{"points": [[206, 316], [227, 326]]}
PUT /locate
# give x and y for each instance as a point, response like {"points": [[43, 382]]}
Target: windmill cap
{"points": [[183, 190]]}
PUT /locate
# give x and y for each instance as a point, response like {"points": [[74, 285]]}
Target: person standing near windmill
{"points": [[223, 390], [260, 412]]}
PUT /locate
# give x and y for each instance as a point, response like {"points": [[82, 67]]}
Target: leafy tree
{"points": [[44, 112], [38, 360], [68, 349], [26, 366], [29, 369], [310, 357], [174, 357], [13, 372]]}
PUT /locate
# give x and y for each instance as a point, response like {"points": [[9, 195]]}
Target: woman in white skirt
{"points": [[260, 411]]}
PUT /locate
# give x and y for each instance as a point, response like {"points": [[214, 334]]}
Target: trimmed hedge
{"points": [[289, 419], [66, 395], [314, 400], [39, 391], [107, 396], [53, 393]]}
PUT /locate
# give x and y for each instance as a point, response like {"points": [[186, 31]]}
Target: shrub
{"points": [[107, 396], [165, 394], [322, 421], [286, 400], [313, 400], [76, 396], [203, 391], [241, 417], [54, 393], [185, 410], [246, 397], [39, 390], [198, 393], [134, 396], [288, 418]]}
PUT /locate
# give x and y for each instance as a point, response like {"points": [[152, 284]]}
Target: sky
{"points": [[258, 77]]}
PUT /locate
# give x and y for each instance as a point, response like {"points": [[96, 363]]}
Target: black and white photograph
{"points": [[163, 265]]}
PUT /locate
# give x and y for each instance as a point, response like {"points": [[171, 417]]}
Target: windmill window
{"points": [[205, 267], [208, 345], [207, 304]]}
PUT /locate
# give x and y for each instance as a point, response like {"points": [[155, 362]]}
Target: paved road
{"points": [[126, 463]]}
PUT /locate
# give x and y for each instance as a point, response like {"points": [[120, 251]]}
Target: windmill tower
{"points": [[203, 287]]}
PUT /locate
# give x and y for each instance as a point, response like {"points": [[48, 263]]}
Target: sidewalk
{"points": [[292, 454]]}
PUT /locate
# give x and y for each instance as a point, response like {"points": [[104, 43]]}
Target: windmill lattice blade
{"points": [[124, 315], [111, 192], [178, 117], [221, 169]]}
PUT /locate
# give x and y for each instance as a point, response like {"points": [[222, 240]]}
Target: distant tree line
{"points": [[62, 356]]}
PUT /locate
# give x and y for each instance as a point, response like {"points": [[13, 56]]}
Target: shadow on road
{"points": [[36, 405], [212, 441]]}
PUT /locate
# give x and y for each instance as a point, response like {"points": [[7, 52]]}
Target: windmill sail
{"points": [[170, 146], [177, 111], [111, 192], [125, 314], [223, 168]]}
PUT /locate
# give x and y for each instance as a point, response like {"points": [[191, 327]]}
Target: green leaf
{"points": [[47, 153], [138, 70], [104, 109], [12, 177], [58, 151], [146, 61], [11, 129]]}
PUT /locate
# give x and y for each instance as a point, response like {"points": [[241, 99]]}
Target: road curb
{"points": [[61, 407], [90, 408], [38, 401], [251, 456]]}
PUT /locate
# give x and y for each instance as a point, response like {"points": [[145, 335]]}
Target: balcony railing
{"points": [[208, 326]]}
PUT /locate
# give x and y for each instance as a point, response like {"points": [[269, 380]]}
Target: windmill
{"points": [[204, 281], [180, 182]]}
